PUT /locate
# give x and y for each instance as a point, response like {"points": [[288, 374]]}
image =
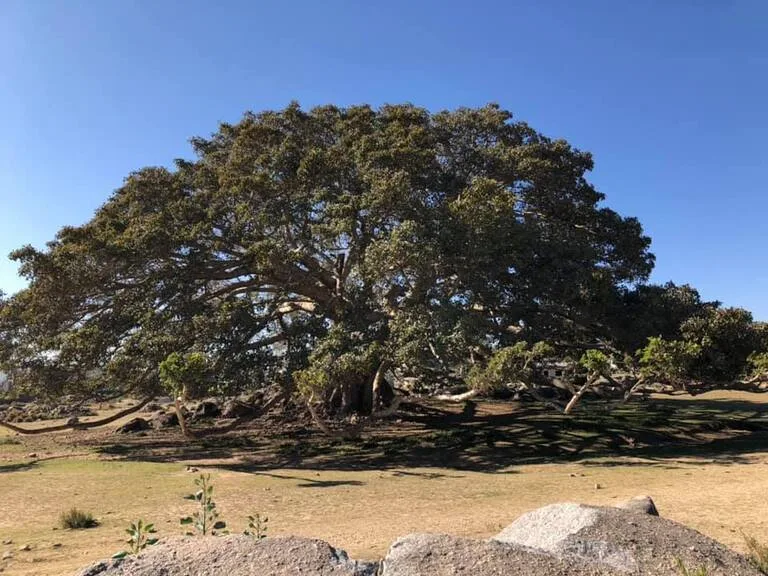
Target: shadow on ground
{"points": [[493, 437], [17, 467]]}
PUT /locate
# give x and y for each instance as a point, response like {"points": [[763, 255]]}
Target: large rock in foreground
{"points": [[236, 556], [557, 540], [443, 555], [623, 540]]}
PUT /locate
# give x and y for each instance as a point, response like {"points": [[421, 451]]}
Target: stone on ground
{"points": [[641, 504], [132, 426], [236, 556], [162, 419], [623, 540], [206, 409], [234, 408]]}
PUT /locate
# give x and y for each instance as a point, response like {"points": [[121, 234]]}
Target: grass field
{"points": [[704, 461]]}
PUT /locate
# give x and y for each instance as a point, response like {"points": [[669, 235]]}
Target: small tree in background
{"points": [[181, 374]]}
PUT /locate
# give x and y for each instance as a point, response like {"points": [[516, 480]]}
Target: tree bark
{"points": [[379, 381], [351, 432], [463, 397], [180, 414], [346, 399], [577, 397]]}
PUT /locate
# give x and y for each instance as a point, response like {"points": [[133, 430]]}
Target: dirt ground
{"points": [[437, 469]]}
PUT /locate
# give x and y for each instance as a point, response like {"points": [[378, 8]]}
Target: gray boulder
{"points": [[234, 408], [622, 540], [443, 555], [162, 420], [236, 556], [133, 426], [206, 409], [641, 504]]}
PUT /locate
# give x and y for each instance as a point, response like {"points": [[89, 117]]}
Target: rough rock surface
{"points": [[234, 408], [236, 556], [443, 555], [641, 504], [162, 419], [558, 540], [206, 409], [133, 425], [623, 540]]}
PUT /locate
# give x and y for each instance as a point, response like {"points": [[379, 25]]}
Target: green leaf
{"points": [[119, 555], [186, 521]]}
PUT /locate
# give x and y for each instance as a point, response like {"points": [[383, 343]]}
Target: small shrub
{"points": [[757, 552], [75, 519], [139, 537], [205, 519], [257, 526], [684, 571]]}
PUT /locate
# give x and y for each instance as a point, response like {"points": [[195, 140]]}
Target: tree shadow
{"points": [[309, 482], [17, 467], [497, 437], [425, 475]]}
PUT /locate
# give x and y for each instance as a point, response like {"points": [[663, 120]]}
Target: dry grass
{"points": [[757, 552], [363, 510], [76, 519]]}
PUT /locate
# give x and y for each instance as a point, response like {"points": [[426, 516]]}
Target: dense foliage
{"points": [[319, 250]]}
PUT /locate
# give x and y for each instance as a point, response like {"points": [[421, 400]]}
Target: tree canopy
{"points": [[319, 249]]}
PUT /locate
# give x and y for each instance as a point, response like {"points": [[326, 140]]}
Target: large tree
{"points": [[320, 249]]}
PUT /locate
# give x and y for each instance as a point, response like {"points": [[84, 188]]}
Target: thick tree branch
{"points": [[77, 425]]}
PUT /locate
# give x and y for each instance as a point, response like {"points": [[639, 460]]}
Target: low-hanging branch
{"points": [[75, 424]]}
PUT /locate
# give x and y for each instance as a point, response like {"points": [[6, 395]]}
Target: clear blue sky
{"points": [[670, 96]]}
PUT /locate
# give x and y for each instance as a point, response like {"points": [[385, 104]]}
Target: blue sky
{"points": [[670, 96]]}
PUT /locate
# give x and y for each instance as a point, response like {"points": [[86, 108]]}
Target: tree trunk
{"points": [[346, 399], [377, 387], [367, 396], [576, 397], [632, 390], [463, 397], [182, 422], [350, 432], [346, 434]]}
